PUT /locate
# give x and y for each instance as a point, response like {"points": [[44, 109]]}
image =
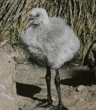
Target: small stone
{"points": [[80, 88]]}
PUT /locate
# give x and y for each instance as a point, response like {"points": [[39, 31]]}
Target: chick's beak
{"points": [[29, 22]]}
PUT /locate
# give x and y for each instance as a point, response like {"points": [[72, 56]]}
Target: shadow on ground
{"points": [[80, 77], [27, 90]]}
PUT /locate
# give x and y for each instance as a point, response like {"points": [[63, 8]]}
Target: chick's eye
{"points": [[37, 15]]}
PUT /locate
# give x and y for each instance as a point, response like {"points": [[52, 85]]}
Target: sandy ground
{"points": [[78, 88]]}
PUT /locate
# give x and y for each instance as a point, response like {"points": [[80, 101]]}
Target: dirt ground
{"points": [[78, 87]]}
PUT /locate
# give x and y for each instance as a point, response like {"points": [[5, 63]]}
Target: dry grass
{"points": [[79, 14]]}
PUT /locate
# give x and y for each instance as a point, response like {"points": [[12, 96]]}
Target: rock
{"points": [[8, 97]]}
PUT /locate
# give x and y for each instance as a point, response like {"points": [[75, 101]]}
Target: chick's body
{"points": [[56, 41]]}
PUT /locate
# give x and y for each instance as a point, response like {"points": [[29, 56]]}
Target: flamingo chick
{"points": [[52, 41]]}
